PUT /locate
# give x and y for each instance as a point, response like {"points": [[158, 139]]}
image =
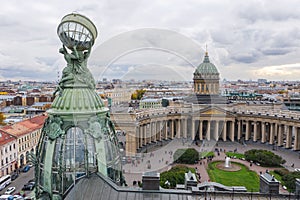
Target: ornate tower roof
{"points": [[206, 67], [78, 137]]}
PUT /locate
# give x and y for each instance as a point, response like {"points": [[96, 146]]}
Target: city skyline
{"points": [[252, 40]]}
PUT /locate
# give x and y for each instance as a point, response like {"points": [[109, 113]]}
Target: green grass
{"points": [[206, 154], [243, 177], [237, 155], [277, 176]]}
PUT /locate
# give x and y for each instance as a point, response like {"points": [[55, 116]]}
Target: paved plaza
{"points": [[161, 159]]}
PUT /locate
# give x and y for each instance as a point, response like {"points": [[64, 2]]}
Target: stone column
{"points": [[161, 129], [130, 142], [151, 132], [255, 132], [288, 137], [239, 129], [193, 129], [141, 135], [271, 140], [216, 137], [224, 135], [232, 131], [185, 128], [157, 128], [258, 135], [247, 130], [263, 132], [172, 128], [208, 131], [137, 136], [155, 131], [200, 129], [178, 130], [166, 129], [276, 131], [145, 134], [297, 139], [280, 136]]}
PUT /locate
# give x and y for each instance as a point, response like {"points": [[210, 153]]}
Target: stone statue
{"points": [[76, 71]]}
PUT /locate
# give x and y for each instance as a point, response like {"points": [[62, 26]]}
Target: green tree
{"points": [[2, 118], [264, 157], [290, 180], [174, 176], [186, 156]]}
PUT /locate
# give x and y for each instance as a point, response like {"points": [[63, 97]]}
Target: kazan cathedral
{"points": [[207, 116]]}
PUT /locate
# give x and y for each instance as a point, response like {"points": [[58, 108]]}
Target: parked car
{"points": [[6, 197], [28, 186], [14, 176], [32, 182], [26, 168], [18, 197], [10, 190]]}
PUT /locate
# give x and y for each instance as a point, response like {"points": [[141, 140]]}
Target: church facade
{"points": [[207, 116]]}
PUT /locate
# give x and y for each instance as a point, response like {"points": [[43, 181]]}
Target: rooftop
{"points": [[26, 126]]}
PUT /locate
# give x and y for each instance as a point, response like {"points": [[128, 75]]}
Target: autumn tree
{"points": [[138, 94], [2, 118]]}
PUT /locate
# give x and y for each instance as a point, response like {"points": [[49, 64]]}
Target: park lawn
{"points": [[237, 155], [243, 177], [277, 176]]}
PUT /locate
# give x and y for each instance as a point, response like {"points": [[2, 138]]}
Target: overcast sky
{"points": [[245, 39]]}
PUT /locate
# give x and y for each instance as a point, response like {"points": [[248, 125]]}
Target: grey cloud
{"points": [[246, 57], [48, 61], [269, 10], [237, 33], [276, 51]]}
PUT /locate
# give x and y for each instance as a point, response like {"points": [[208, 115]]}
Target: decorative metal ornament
{"points": [[94, 129], [53, 128]]}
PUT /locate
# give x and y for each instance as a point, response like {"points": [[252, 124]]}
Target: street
{"points": [[19, 182]]}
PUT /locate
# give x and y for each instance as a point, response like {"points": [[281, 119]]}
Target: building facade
{"points": [[27, 134], [8, 155]]}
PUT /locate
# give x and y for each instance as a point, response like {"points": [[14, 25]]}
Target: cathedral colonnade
{"points": [[221, 126]]}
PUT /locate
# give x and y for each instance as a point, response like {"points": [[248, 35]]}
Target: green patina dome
{"points": [[206, 67], [77, 100]]}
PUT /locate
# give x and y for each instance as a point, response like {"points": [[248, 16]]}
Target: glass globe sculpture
{"points": [[78, 31]]}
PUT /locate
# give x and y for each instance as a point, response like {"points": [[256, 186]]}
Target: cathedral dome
{"points": [[206, 67]]}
